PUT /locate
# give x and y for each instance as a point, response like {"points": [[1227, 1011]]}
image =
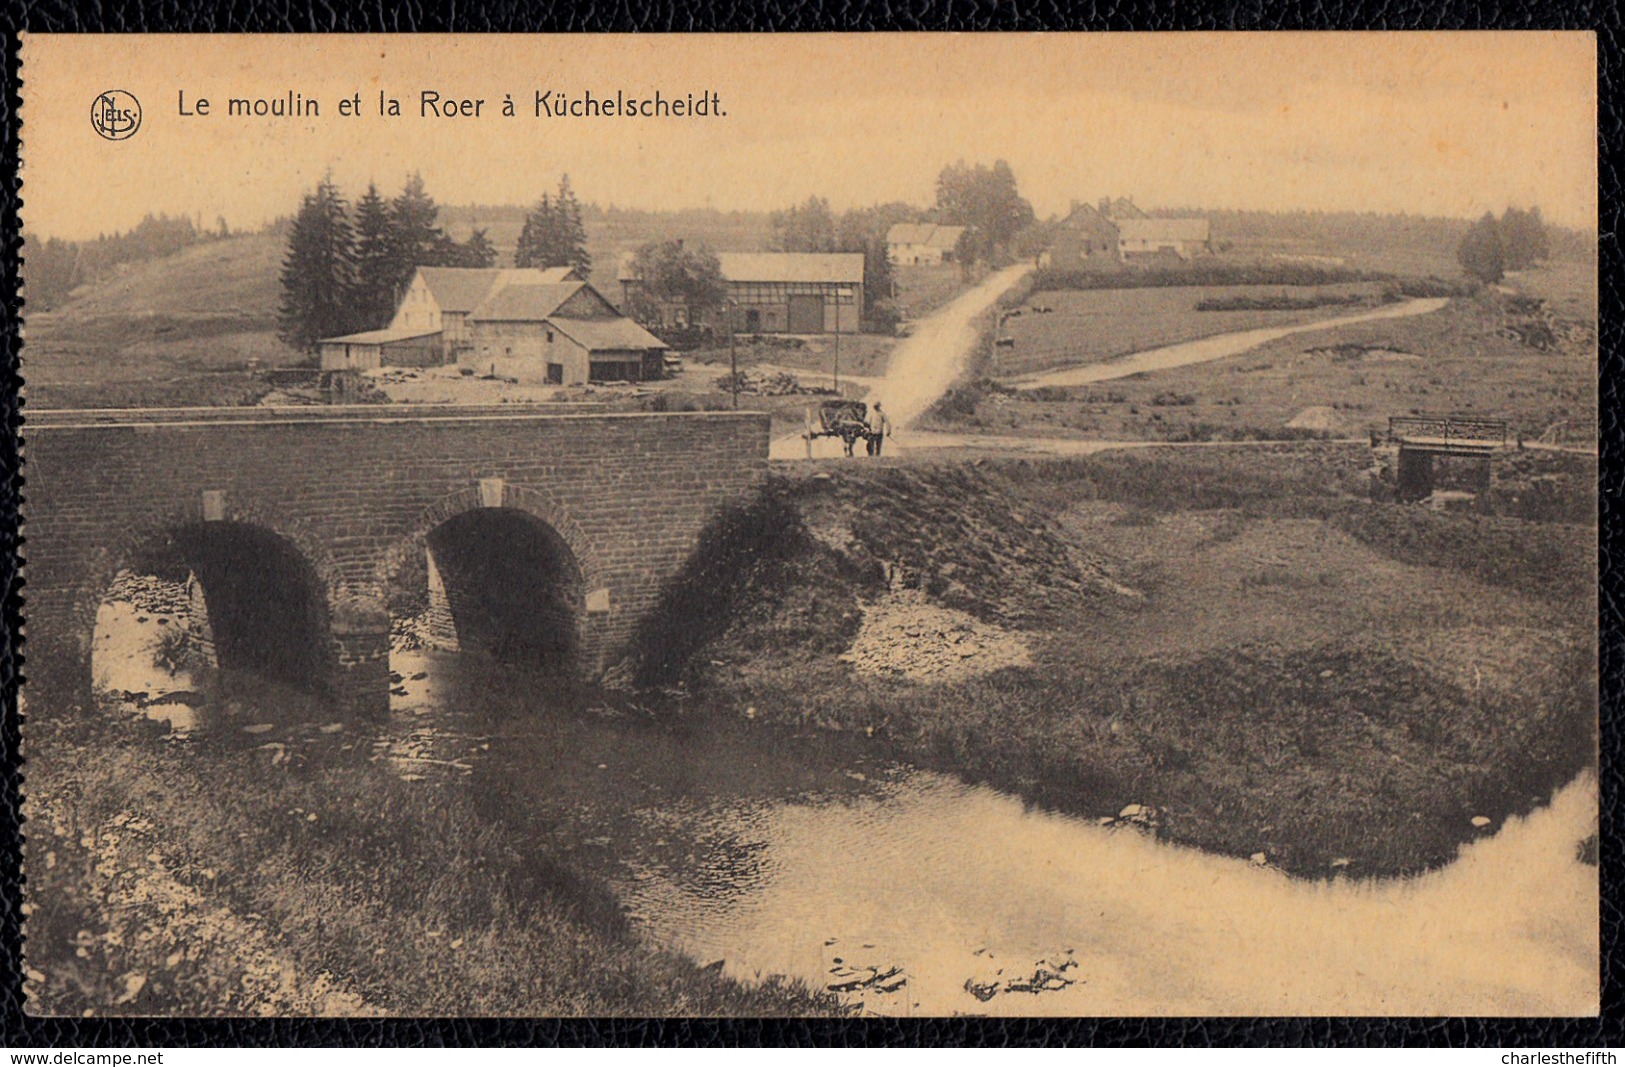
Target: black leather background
{"points": [[791, 15]]}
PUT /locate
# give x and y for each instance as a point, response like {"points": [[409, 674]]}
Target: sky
{"points": [[1425, 123]]}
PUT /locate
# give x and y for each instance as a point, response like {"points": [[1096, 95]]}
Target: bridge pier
{"points": [[360, 634], [305, 513], [1415, 474]]}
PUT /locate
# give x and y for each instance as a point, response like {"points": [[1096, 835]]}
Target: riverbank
{"points": [[1240, 649], [221, 876]]}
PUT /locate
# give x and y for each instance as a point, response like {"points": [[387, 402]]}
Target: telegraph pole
{"points": [[733, 360]]}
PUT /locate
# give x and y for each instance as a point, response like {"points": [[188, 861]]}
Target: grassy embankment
{"points": [[178, 331], [1238, 639], [209, 878], [1346, 381]]}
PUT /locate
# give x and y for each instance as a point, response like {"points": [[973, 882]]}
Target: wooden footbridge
{"points": [[1422, 438]]}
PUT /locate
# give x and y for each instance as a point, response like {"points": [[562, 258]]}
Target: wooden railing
{"points": [[1448, 429]]}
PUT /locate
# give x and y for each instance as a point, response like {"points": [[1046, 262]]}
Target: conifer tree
{"points": [[572, 231], [376, 277], [318, 274], [416, 237], [554, 234]]}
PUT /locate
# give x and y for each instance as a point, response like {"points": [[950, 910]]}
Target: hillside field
{"points": [[1097, 325], [1342, 381]]}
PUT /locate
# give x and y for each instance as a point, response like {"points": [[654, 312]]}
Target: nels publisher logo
{"points": [[116, 115]]}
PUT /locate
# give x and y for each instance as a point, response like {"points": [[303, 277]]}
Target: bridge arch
{"points": [[264, 602], [507, 571]]}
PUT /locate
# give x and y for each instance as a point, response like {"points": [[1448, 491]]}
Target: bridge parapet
{"points": [[1465, 434], [350, 489], [78, 417]]}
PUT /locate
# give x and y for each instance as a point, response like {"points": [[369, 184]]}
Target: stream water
{"points": [[910, 892]]}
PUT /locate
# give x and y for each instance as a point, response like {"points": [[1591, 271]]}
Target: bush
{"points": [[1200, 273], [1282, 302]]}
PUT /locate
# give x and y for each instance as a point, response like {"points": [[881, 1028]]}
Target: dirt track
{"points": [[923, 366], [1210, 348]]}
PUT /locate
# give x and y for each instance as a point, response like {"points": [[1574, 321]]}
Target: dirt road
{"points": [[1211, 348], [924, 365]]}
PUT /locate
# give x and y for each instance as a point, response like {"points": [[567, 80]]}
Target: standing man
{"points": [[879, 429]]}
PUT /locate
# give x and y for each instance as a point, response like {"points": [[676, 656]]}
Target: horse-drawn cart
{"points": [[846, 419]]}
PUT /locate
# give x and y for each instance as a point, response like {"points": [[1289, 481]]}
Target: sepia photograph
{"points": [[821, 525]]}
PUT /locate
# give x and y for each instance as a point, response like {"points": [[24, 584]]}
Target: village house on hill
{"points": [[1114, 232], [538, 326], [922, 243], [772, 292]]}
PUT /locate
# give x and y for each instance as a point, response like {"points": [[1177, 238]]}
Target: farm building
{"points": [[1181, 237], [1087, 237], [915, 243], [774, 292], [1106, 234], [440, 299], [377, 348], [536, 326], [563, 333]]}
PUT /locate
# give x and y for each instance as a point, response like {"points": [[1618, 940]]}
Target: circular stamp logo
{"points": [[115, 114]]}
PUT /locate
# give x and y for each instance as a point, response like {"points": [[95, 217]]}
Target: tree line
{"points": [[53, 268], [1515, 241], [347, 268]]}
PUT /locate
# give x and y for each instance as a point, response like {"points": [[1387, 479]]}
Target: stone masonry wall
{"points": [[628, 493]]}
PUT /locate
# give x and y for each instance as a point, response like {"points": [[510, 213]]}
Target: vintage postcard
{"points": [[905, 525]]}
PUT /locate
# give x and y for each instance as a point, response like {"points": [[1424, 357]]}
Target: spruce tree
{"points": [[478, 250], [416, 237], [318, 274], [572, 231], [536, 237], [554, 234], [376, 277]]}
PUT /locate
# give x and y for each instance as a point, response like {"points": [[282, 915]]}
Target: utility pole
{"points": [[839, 295], [733, 360]]}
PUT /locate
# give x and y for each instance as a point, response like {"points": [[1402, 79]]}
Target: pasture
{"points": [[1097, 325]]}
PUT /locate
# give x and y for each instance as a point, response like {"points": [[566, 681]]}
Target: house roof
{"points": [[839, 267], [1163, 229], [459, 290], [930, 234], [525, 303], [1082, 214], [598, 335], [380, 337], [1122, 209]]}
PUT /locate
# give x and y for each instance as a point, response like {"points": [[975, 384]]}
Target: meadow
{"points": [[1095, 326]]}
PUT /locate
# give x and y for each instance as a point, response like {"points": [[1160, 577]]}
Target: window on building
{"points": [[549, 336]]}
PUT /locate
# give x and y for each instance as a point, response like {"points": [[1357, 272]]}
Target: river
{"points": [[911, 892], [780, 852]]}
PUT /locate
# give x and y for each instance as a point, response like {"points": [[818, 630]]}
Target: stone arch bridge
{"points": [[297, 520]]}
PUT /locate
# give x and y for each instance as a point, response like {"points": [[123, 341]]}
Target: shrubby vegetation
{"points": [[1515, 241], [1201, 272]]}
